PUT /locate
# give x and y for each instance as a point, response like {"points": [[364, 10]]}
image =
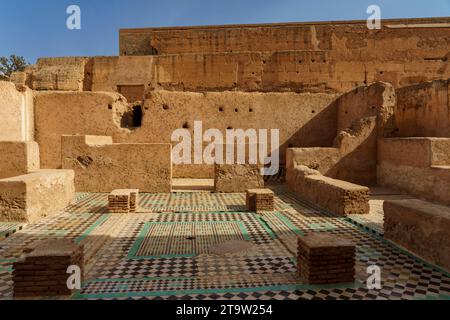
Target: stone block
{"points": [[123, 201], [325, 259], [259, 200], [42, 269], [237, 178], [34, 196], [420, 227], [18, 158]]}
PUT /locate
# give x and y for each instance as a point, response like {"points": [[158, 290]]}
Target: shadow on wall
{"points": [[320, 131], [423, 110], [362, 116]]}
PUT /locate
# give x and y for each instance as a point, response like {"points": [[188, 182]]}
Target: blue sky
{"points": [[37, 28]]}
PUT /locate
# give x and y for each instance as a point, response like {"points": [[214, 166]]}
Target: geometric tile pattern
{"points": [[187, 239], [139, 262], [8, 228]]}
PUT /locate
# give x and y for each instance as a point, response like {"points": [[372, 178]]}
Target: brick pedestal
{"points": [[325, 259], [42, 270], [123, 201], [259, 200]]}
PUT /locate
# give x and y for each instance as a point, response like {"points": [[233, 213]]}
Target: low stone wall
{"points": [[337, 196], [420, 227], [237, 178], [18, 158], [29, 198], [101, 166], [418, 166], [363, 115]]}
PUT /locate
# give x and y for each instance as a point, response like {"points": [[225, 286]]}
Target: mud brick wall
{"points": [[300, 56], [18, 158], [311, 121], [364, 115], [32, 197]]}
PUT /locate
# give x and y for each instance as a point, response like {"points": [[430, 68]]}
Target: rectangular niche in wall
{"points": [[133, 93]]}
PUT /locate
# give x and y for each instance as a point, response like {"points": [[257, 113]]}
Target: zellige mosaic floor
{"points": [[163, 253]]}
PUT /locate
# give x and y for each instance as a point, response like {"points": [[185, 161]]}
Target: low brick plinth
{"points": [[325, 259], [123, 201], [259, 200], [42, 270]]}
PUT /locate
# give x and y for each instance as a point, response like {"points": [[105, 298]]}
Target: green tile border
{"points": [[97, 223], [289, 287], [289, 223]]}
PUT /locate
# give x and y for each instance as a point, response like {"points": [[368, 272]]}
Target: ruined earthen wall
{"points": [[303, 119], [66, 74], [423, 110], [262, 37], [363, 115], [101, 165], [59, 113], [110, 72], [322, 56]]}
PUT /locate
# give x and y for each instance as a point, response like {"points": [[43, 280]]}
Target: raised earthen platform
{"points": [[420, 227]]}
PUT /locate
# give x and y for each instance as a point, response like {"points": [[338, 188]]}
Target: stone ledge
{"points": [[29, 198], [420, 227], [18, 158], [237, 178]]}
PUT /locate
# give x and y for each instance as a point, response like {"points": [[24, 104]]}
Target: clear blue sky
{"points": [[37, 28]]}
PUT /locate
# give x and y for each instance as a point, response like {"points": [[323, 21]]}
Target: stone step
{"points": [[192, 185]]}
